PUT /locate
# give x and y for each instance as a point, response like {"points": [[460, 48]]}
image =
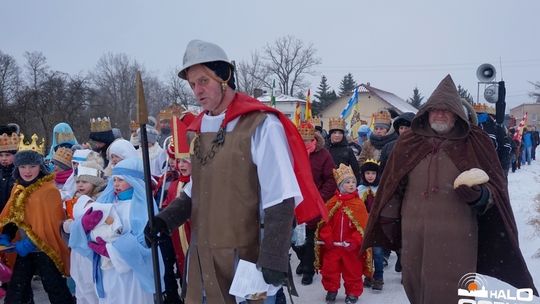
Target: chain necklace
{"points": [[216, 144]]}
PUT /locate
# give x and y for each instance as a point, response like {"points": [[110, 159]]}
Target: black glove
{"points": [[469, 194], [151, 235], [274, 277]]}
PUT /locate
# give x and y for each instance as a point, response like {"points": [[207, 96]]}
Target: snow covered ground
{"points": [[524, 189]]}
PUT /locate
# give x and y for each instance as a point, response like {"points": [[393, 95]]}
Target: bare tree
{"points": [[9, 79], [36, 68], [178, 91], [253, 75], [114, 89], [289, 59]]}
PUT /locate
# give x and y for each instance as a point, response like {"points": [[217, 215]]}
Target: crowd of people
{"points": [[240, 181]]}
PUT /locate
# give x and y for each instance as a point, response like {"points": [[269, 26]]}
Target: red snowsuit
{"points": [[342, 236]]}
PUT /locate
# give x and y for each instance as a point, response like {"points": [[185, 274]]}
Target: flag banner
{"points": [[308, 115], [297, 113], [350, 105], [521, 125]]}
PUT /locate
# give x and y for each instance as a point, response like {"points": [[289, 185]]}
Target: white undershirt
{"points": [[271, 154]]}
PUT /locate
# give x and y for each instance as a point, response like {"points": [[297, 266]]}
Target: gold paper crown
{"points": [[173, 110], [483, 108], [9, 142], [382, 117], [64, 155], [373, 161], [336, 123], [133, 126], [33, 145], [306, 130], [100, 124], [343, 172], [63, 137]]}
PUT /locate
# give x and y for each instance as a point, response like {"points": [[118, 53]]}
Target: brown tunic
{"points": [[226, 215], [432, 264]]}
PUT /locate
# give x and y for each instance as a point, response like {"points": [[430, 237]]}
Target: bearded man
{"points": [[445, 232]]}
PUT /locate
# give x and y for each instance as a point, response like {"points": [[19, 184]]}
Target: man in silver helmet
{"points": [[249, 167]]}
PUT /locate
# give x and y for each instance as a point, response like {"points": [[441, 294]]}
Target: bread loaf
{"points": [[471, 177]]}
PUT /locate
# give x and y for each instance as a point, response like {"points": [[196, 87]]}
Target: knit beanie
{"points": [[92, 172], [29, 157]]}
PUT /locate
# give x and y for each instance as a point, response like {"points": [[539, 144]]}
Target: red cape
{"points": [[312, 205]]}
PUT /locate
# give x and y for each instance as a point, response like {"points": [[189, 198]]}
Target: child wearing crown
{"points": [[339, 240], [367, 191], [29, 224]]}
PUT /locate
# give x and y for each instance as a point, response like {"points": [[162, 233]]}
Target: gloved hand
{"points": [[4, 240], [469, 194], [99, 247], [90, 219], [24, 247], [274, 277], [151, 235]]}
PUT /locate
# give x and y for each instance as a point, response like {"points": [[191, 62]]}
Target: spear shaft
{"points": [[142, 120]]}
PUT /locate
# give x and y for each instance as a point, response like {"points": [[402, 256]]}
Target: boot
{"points": [[368, 282], [377, 284], [397, 267], [307, 279], [299, 269], [330, 296], [351, 300]]}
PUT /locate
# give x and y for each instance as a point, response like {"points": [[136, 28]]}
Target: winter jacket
{"points": [[322, 165], [527, 140], [536, 138], [372, 148], [6, 184], [343, 154]]}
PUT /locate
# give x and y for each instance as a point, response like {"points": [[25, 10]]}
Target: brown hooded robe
{"points": [[417, 187]]}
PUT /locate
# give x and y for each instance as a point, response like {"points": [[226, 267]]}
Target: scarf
{"points": [[379, 141], [62, 176], [310, 147]]}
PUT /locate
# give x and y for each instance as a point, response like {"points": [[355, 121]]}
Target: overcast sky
{"points": [[394, 45]]}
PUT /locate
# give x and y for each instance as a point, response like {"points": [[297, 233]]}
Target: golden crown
{"points": [[173, 110], [33, 145], [100, 124], [64, 155], [343, 172], [483, 108], [306, 130], [382, 117], [9, 142], [336, 123], [63, 137], [373, 161], [133, 126]]}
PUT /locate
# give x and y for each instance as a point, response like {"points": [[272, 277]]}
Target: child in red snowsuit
{"points": [[339, 240]]}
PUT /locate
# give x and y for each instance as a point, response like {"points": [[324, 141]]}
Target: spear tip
{"points": [[142, 111]]}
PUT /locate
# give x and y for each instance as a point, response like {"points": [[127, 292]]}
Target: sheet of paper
{"points": [[248, 282]]}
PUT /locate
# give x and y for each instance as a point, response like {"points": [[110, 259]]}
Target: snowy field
{"points": [[524, 188]]}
